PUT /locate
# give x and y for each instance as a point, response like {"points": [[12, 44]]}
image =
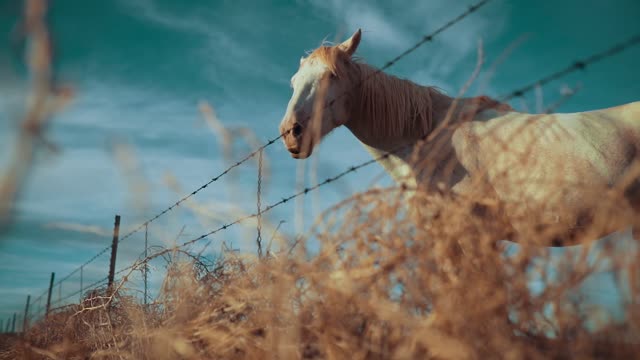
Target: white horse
{"points": [[559, 165]]}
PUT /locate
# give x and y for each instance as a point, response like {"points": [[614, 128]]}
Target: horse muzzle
{"points": [[297, 154]]}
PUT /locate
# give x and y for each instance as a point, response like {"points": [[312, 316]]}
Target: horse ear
{"points": [[351, 45]]}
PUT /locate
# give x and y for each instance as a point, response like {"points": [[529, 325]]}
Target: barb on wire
{"points": [[580, 64]]}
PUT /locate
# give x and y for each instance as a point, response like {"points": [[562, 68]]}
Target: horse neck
{"points": [[375, 130], [387, 111]]}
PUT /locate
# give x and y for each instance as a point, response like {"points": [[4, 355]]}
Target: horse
{"points": [[560, 165]]}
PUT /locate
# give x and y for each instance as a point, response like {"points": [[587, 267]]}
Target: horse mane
{"points": [[394, 106], [388, 105]]}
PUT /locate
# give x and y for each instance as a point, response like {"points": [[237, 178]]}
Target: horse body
{"points": [[558, 165], [591, 147]]}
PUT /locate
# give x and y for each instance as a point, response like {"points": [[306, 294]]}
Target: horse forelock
{"points": [[335, 59]]}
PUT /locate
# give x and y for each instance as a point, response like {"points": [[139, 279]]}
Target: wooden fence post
{"points": [[114, 251], [146, 263], [13, 324], [53, 276], [81, 280], [25, 322]]}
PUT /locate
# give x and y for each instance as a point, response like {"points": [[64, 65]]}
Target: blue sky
{"points": [[141, 67]]}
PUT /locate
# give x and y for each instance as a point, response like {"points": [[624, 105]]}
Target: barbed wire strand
{"points": [[581, 64]]}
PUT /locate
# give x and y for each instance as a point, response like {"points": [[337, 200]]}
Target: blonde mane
{"points": [[384, 105], [388, 105], [393, 106]]}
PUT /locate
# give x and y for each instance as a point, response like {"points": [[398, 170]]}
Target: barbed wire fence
{"points": [[48, 300], [52, 298]]}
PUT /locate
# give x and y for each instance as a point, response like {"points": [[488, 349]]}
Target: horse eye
{"points": [[297, 129]]}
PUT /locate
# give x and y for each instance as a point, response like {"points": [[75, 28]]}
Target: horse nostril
{"points": [[297, 130]]}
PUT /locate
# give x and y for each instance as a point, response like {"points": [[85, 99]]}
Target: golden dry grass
{"points": [[345, 301]]}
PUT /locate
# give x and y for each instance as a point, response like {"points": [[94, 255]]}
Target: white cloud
{"points": [[374, 23], [147, 9], [396, 28], [369, 19], [84, 229], [222, 49], [407, 21]]}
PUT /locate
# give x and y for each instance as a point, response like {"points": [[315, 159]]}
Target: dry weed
{"points": [[385, 284]]}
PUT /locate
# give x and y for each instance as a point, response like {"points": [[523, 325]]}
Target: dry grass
{"points": [[380, 288]]}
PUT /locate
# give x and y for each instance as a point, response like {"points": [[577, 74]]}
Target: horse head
{"points": [[320, 99]]}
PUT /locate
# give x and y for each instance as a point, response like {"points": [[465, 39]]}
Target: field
{"points": [[371, 293]]}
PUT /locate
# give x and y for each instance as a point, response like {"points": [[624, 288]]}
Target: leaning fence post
{"points": [[146, 263], [81, 279], [13, 324], [8, 324], [25, 322], [39, 306], [114, 251], [53, 276]]}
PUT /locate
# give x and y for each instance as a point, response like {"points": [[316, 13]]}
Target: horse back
{"points": [[601, 141], [552, 163]]}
